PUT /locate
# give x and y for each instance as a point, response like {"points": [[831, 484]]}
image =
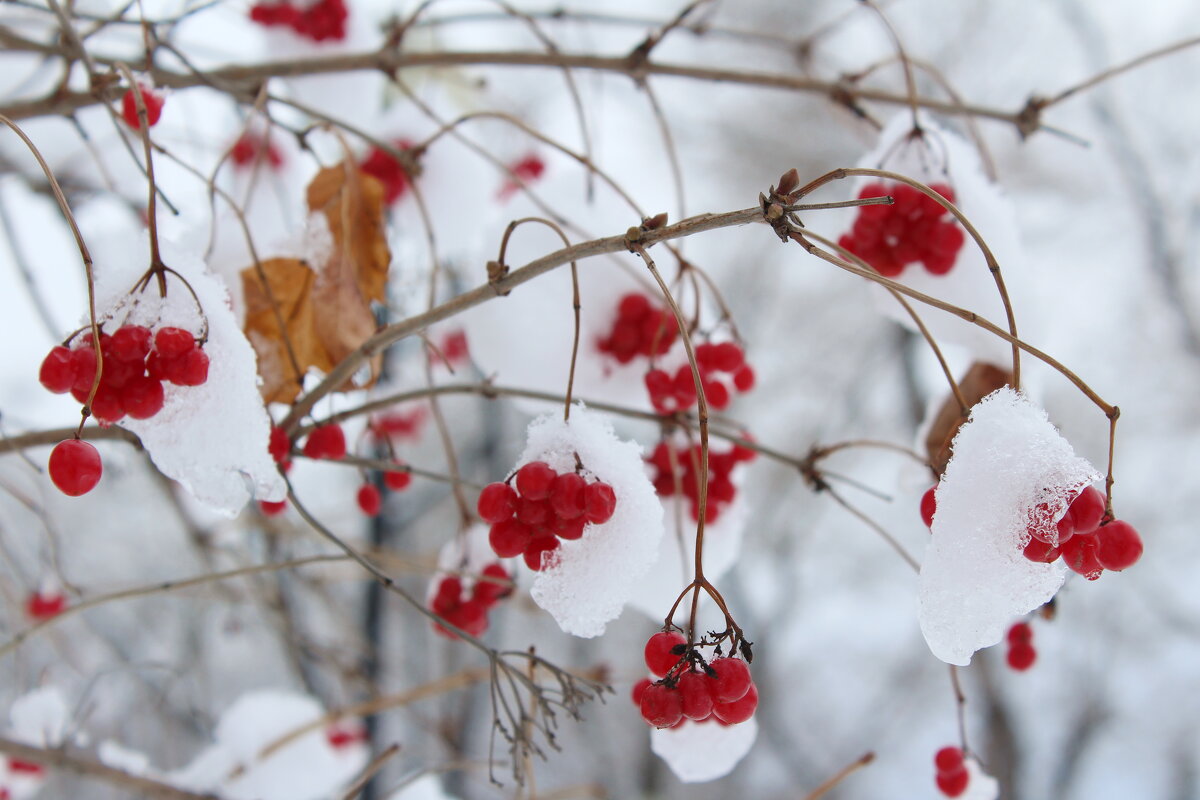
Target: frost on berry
{"points": [[698, 752], [586, 582], [1008, 462]]}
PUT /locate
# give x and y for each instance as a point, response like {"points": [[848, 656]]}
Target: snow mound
{"points": [[980, 786], [1009, 466], [40, 717], [210, 438], [703, 751], [589, 581]]}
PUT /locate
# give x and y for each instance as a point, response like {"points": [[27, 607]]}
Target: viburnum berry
{"points": [[370, 501], [142, 397], [571, 528], [535, 479], [929, 505], [697, 701], [600, 501], [497, 503], [914, 228], [732, 679], [739, 710], [271, 508], [385, 167], [568, 495], [1042, 552], [75, 467], [325, 19], [326, 441], [397, 479], [641, 328], [129, 111], [57, 372], [131, 343], [952, 776], [537, 549], [1079, 554], [342, 736], [509, 538], [527, 169], [1118, 545], [1021, 653], [659, 654], [39, 606], [948, 759], [171, 343], [638, 688], [250, 149], [279, 445], [496, 587], [661, 707]]}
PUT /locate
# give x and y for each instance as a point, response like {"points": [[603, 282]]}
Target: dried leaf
{"points": [[352, 203], [981, 380]]}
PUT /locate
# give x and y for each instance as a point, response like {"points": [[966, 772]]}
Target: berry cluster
{"points": [[690, 689], [528, 169], [673, 467], [720, 366], [325, 19], [952, 776], [136, 363], [913, 228], [544, 507], [383, 165], [40, 607], [398, 425], [1021, 654], [154, 105], [250, 149], [641, 329], [1087, 544], [468, 610]]}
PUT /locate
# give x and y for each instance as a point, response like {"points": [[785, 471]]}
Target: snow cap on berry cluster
{"points": [[940, 155], [1008, 464], [587, 582], [211, 438], [698, 752]]}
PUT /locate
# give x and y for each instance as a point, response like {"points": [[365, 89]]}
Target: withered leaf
{"points": [[352, 203], [981, 380]]}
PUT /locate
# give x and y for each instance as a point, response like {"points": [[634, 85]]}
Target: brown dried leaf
{"points": [[290, 283], [352, 203], [981, 380]]}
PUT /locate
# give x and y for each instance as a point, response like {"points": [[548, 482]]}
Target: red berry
{"points": [[534, 513], [509, 538], [733, 679], [448, 595], [694, 692], [1087, 510], [601, 501], [370, 500], [929, 505], [1020, 633], [638, 689], [739, 710], [387, 169], [397, 480], [1021, 656], [75, 467], [130, 343], [536, 551], [326, 441], [717, 394], [1042, 552], [1118, 545], [1079, 553], [190, 369], [40, 606], [633, 306], [57, 372], [171, 343], [743, 379], [279, 445], [948, 759], [129, 111], [142, 397], [570, 528], [271, 508], [340, 737], [658, 653], [535, 479], [497, 502], [728, 357], [567, 495], [83, 360], [952, 783], [490, 591], [661, 707]]}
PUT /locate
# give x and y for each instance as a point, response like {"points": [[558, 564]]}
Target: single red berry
{"points": [[190, 369], [536, 514], [279, 445], [743, 379], [728, 357], [387, 169], [600, 501], [661, 707], [57, 372], [570, 529], [75, 467], [537, 551], [495, 588], [130, 343], [739, 710], [929, 505], [83, 360], [397, 479], [1020, 633], [171, 343], [142, 397], [694, 692], [535, 479], [633, 306], [1118, 545], [658, 653], [717, 394], [509, 538], [129, 111], [567, 495], [948, 759], [1087, 510], [732, 681], [1021, 656], [1079, 553], [326, 441], [271, 508], [497, 502], [40, 606], [370, 500], [953, 782], [1042, 552], [18, 766], [340, 737], [638, 688], [448, 594], [107, 406]]}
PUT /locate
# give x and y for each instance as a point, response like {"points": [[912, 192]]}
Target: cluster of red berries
{"points": [[952, 776], [544, 507], [913, 228], [136, 362], [674, 467], [325, 19], [387, 168], [398, 425], [1087, 544], [1021, 653], [469, 610], [249, 149], [720, 366], [528, 170], [641, 329], [690, 689], [154, 105]]}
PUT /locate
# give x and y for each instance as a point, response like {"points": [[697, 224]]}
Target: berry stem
{"points": [[156, 265]]}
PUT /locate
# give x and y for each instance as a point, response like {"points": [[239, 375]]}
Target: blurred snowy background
{"points": [[188, 685]]}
